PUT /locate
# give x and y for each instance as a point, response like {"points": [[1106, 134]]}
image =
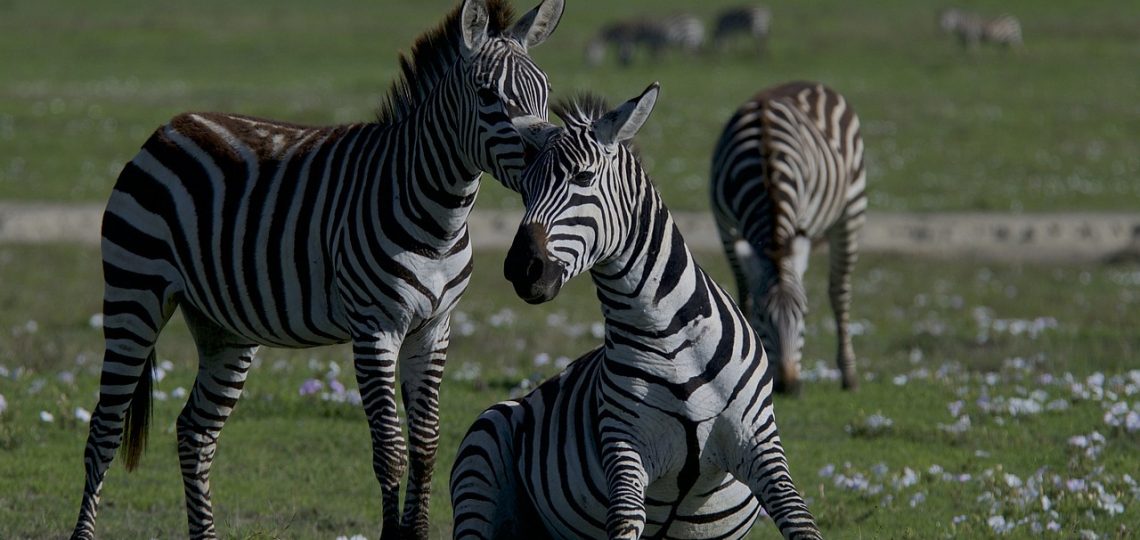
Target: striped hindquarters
{"points": [[240, 213], [789, 163]]}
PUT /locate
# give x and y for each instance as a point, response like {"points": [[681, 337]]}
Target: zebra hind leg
{"points": [[132, 320], [486, 493], [223, 363]]}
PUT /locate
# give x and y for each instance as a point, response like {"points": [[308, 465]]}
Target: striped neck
{"points": [[649, 284], [423, 170]]}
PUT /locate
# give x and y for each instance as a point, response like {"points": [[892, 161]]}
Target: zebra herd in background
{"points": [[751, 25], [972, 29], [682, 32], [268, 233]]}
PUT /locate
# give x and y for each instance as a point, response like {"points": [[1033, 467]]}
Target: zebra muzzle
{"points": [[535, 276]]}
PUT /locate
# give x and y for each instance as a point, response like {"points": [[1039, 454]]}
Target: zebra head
{"points": [[581, 192], [778, 306], [502, 80]]}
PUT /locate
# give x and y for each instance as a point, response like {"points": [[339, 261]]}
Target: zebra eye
{"points": [[487, 96], [583, 178]]}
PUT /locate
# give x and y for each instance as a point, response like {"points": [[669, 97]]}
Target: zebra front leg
{"points": [[763, 466], [375, 361], [223, 363], [422, 358], [626, 481], [843, 254]]}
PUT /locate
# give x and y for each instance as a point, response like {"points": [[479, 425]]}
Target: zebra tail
{"points": [[138, 415]]}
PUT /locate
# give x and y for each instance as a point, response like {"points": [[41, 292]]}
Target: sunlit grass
{"points": [[940, 341], [1046, 128]]}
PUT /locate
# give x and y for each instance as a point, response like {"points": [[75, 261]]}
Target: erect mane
{"points": [[582, 108], [433, 53]]}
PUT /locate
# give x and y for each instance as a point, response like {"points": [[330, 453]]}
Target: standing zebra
{"points": [[681, 31], [972, 29], [267, 233], [668, 429], [787, 171], [751, 21]]}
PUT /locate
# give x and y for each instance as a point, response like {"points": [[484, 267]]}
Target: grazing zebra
{"points": [[751, 21], [665, 431], [681, 31], [972, 29], [787, 171], [267, 233]]}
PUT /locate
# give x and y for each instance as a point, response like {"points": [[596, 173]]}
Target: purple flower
{"points": [[311, 386], [336, 386]]}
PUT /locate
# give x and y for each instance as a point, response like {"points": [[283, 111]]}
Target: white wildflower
{"points": [[82, 415], [46, 416]]}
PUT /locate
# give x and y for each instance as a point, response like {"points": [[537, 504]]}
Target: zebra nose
{"points": [[534, 276]]}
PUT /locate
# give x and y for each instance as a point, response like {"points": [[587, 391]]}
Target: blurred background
{"points": [[1001, 395]]}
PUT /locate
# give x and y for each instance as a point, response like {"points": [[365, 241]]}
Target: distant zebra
{"points": [[668, 429], [267, 233], [787, 171], [972, 29], [751, 21], [682, 32]]}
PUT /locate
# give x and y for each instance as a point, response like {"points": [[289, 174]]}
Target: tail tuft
{"points": [[138, 416]]}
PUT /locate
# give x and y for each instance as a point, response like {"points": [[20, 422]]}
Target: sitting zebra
{"points": [[666, 431], [972, 29], [269, 233], [681, 31], [787, 171], [754, 22]]}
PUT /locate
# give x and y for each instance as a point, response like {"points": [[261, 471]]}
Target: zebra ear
{"points": [[622, 123], [473, 21], [535, 132], [537, 25]]}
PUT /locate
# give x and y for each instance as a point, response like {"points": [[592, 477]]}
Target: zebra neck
{"points": [[425, 175], [653, 287]]}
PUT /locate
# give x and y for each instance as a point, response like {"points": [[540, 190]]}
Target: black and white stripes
{"points": [[654, 35], [786, 172], [668, 429], [972, 29], [267, 233]]}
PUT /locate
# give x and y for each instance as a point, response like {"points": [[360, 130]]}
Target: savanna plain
{"points": [[997, 398]]}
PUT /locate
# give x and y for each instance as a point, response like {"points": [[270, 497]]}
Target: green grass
{"points": [[1050, 128], [298, 467]]}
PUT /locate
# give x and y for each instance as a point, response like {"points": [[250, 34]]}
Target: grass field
{"points": [[1053, 127], [996, 397], [985, 373]]}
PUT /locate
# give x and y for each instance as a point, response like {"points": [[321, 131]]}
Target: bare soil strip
{"points": [[1026, 237]]}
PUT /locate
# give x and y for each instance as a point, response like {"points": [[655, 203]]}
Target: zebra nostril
{"points": [[533, 270]]}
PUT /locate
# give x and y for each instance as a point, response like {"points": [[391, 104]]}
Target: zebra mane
{"points": [[433, 53], [582, 108]]}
